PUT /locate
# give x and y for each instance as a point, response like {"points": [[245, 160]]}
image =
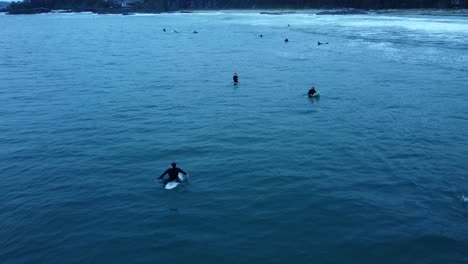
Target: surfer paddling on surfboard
{"points": [[173, 172]]}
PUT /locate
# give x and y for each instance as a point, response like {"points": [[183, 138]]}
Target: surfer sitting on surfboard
{"points": [[173, 172], [312, 91], [235, 78]]}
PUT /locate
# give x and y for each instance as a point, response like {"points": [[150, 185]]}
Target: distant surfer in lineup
{"points": [[235, 78], [286, 40], [164, 29], [312, 92], [321, 43], [173, 172], [195, 32], [260, 35]]}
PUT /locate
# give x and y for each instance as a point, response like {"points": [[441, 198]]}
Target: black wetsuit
{"points": [[235, 78], [312, 92], [173, 174]]}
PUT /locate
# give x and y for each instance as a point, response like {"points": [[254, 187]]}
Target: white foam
{"points": [[417, 24], [431, 24], [145, 14]]}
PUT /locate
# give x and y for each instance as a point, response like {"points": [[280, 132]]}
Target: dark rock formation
{"points": [[29, 11], [343, 12]]}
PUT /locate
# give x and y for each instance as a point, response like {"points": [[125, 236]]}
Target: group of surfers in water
{"points": [[286, 40], [173, 170], [175, 31], [312, 92]]}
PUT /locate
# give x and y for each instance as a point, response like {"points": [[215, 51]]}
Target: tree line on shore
{"points": [[172, 5]]}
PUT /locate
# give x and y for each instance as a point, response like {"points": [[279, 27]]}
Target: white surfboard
{"points": [[464, 198], [317, 94], [173, 184]]}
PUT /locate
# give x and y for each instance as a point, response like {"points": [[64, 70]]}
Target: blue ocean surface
{"points": [[93, 108]]}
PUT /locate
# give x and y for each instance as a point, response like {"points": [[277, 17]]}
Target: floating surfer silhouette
{"points": [[286, 40]]}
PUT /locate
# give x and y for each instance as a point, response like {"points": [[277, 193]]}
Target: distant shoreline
{"points": [[327, 11]]}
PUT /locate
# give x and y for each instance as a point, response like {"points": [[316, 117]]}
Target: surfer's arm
{"points": [[184, 173], [164, 173]]}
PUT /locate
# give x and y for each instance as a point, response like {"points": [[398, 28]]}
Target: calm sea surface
{"points": [[94, 107]]}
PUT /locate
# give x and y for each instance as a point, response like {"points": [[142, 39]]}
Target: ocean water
{"points": [[94, 107]]}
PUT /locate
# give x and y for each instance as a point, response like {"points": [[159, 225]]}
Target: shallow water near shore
{"points": [[95, 107]]}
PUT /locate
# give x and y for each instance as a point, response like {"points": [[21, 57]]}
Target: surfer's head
{"points": [[173, 164]]}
